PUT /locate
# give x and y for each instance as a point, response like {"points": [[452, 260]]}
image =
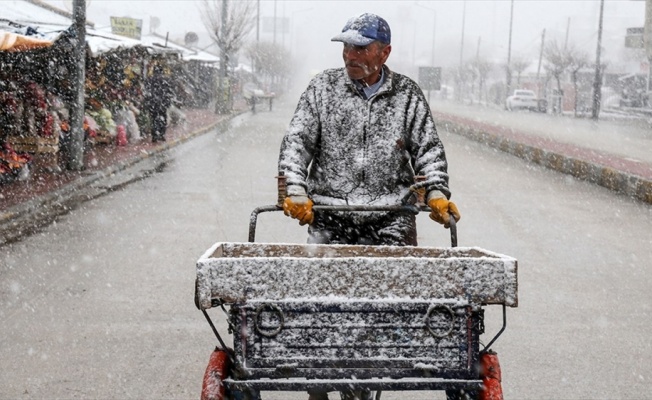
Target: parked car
{"points": [[523, 99]]}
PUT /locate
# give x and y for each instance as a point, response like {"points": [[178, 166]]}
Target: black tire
{"points": [[462, 395], [238, 395]]}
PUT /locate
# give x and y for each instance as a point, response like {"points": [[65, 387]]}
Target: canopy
{"points": [[14, 42]]}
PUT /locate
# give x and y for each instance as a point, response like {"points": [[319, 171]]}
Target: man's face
{"points": [[364, 62]]}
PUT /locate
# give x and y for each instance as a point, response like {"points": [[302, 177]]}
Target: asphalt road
{"points": [[100, 304]]}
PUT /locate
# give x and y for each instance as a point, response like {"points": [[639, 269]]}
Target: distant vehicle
{"points": [[523, 99]]}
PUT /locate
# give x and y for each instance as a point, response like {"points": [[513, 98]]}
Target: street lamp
{"points": [[434, 30]]}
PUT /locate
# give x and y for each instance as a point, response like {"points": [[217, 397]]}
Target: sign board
{"points": [[430, 78], [634, 38], [635, 31], [282, 25], [127, 27]]}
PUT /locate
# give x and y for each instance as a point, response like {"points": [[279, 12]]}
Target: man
{"points": [[159, 98], [359, 136]]}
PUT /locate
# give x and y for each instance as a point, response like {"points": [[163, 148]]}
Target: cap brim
{"points": [[352, 37]]}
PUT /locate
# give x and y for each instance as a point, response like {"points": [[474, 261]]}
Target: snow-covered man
{"points": [[359, 136]]}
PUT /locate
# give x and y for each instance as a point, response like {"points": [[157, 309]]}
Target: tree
{"points": [[519, 65], [577, 61], [228, 24], [274, 61], [557, 63], [482, 68]]}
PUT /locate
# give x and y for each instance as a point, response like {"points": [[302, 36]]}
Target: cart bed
{"points": [[365, 338], [239, 272]]}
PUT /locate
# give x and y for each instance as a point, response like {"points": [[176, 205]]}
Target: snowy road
{"points": [[100, 304]]}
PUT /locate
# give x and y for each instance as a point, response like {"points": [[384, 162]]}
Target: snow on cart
{"points": [[337, 317]]}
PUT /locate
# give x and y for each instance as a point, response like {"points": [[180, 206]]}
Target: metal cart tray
{"points": [[237, 272]]}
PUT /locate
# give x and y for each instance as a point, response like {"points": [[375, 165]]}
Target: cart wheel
{"points": [[462, 395], [491, 377], [216, 371], [238, 395]]}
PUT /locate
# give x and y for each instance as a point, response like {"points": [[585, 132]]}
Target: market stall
{"points": [[30, 121]]}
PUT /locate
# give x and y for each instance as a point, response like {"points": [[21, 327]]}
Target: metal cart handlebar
{"points": [[412, 209]]}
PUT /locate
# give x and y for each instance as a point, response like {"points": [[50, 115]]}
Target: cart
{"points": [[343, 317]]}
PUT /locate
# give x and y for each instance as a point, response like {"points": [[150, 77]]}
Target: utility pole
{"points": [[477, 51], [253, 62], [462, 41], [567, 32], [458, 93], [74, 146], [221, 98], [274, 41], [509, 53], [414, 45], [647, 35], [283, 26], [543, 39], [597, 81], [434, 31]]}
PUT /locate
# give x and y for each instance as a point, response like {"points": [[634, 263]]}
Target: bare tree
{"points": [[482, 68], [519, 65], [274, 60], [577, 60], [557, 63], [228, 24], [471, 74]]}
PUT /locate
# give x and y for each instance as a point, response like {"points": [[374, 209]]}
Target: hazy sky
{"points": [[486, 26]]}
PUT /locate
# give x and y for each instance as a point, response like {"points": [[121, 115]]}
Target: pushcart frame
{"points": [[250, 381]]}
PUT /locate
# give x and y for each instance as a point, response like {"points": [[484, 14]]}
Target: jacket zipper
{"points": [[366, 126], [364, 131]]}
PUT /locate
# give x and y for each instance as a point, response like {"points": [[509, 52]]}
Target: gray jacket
{"points": [[345, 149]]}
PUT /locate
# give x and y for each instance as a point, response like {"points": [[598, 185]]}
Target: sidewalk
{"points": [[613, 153], [26, 205]]}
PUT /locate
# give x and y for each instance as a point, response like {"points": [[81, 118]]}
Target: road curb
{"points": [[622, 182], [24, 218]]}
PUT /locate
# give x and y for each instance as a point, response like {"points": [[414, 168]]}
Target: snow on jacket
{"points": [[345, 149]]}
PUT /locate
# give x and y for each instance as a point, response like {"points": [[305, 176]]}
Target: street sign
{"points": [[634, 38], [430, 78], [127, 27]]}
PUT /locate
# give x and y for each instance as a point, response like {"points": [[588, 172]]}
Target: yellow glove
{"points": [[442, 209], [299, 207]]}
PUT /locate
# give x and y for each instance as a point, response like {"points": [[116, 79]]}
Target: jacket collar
{"points": [[386, 86]]}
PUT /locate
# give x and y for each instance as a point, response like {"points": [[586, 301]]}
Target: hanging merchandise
{"points": [[38, 127]]}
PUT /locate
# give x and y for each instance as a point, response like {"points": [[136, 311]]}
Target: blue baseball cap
{"points": [[363, 30]]}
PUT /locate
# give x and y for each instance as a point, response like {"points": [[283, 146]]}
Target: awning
{"points": [[14, 42]]}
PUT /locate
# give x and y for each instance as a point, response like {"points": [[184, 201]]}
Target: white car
{"points": [[523, 99]]}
